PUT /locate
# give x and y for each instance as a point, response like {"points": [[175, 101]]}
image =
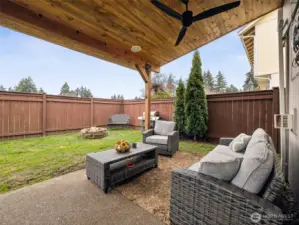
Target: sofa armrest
{"points": [[200, 199], [225, 141], [173, 141], [146, 134]]}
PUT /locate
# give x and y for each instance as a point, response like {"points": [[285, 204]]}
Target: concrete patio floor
{"points": [[70, 199]]}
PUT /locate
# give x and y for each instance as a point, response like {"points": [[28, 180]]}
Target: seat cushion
{"points": [[256, 168], [240, 143], [157, 139], [218, 165], [164, 127], [223, 149]]}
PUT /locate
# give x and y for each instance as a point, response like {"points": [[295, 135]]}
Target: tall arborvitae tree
{"points": [[179, 110], [196, 109], [221, 83]]}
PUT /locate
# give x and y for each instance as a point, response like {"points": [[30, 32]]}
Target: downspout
{"points": [[287, 73], [281, 89]]}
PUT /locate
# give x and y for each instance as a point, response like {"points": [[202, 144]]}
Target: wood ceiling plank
{"points": [[117, 24], [19, 18], [64, 14], [108, 28]]}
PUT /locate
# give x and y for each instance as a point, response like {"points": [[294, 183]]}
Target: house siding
{"points": [[266, 42], [293, 98]]}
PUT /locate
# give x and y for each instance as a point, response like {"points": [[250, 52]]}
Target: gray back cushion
{"points": [[220, 166], [257, 164], [240, 143], [259, 135], [164, 127]]}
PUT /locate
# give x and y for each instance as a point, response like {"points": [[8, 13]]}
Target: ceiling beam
{"points": [[143, 73], [27, 21]]}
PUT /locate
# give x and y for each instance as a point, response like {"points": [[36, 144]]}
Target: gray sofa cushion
{"points": [[223, 149], [259, 135], [256, 166], [164, 127], [218, 165], [157, 139], [239, 143]]}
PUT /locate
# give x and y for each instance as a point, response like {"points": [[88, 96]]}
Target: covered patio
{"points": [[133, 34]]}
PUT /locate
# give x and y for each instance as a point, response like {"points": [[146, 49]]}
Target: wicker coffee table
{"points": [[108, 168]]}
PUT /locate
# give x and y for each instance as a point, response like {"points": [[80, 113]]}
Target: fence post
{"points": [[44, 125], [91, 112]]}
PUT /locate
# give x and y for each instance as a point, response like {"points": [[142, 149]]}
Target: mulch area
{"points": [[151, 190]]}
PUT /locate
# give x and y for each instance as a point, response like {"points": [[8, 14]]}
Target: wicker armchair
{"points": [[200, 199], [163, 136]]}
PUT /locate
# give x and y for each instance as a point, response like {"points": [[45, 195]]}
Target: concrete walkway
{"points": [[70, 199]]}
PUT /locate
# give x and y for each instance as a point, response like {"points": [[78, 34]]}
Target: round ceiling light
{"points": [[136, 48]]}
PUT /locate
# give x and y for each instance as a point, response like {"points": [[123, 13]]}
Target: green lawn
{"points": [[28, 161]]}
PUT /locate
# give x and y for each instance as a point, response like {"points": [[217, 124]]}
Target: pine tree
{"points": [[2, 88], [179, 110], [232, 89], [65, 89], [41, 91], [83, 92], [249, 79], [209, 81], [221, 83], [26, 85], [196, 109]]}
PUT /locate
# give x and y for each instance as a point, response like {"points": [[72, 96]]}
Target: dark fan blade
{"points": [[167, 10], [215, 11], [181, 35]]}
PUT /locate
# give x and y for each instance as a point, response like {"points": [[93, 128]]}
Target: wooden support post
{"points": [[146, 76], [91, 112], [44, 123], [148, 93]]}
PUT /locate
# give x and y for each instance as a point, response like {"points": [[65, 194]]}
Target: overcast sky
{"points": [[50, 65]]}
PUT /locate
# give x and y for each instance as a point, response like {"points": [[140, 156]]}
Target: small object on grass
{"points": [[94, 132]]}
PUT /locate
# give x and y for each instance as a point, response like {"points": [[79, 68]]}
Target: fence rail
{"points": [[23, 114]]}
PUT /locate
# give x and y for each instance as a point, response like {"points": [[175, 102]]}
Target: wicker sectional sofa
{"points": [[197, 198]]}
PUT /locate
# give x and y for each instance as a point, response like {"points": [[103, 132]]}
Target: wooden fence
{"points": [[23, 115]]}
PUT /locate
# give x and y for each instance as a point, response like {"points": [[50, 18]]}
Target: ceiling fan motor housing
{"points": [[187, 18]]}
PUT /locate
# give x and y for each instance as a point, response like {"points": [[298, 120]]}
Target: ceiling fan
{"points": [[187, 17]]}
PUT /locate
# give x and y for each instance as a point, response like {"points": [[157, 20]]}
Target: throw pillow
{"points": [[239, 143], [218, 165]]}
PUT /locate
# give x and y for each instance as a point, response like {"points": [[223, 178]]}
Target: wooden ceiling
{"points": [[107, 29]]}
